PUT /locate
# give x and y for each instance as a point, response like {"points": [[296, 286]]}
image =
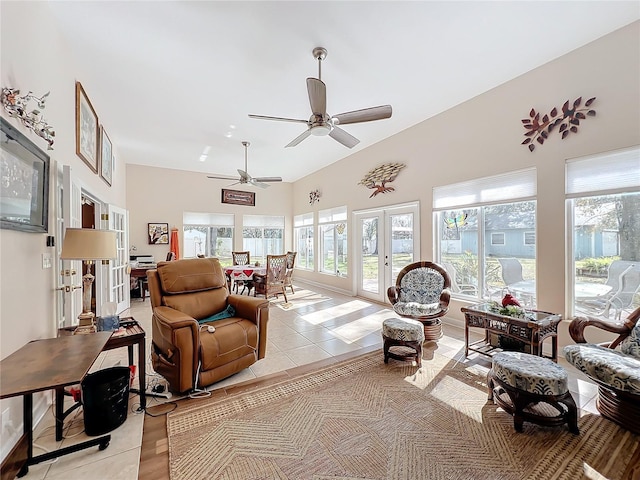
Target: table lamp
{"points": [[88, 244]]}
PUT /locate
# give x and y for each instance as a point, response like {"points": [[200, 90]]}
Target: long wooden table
{"points": [[50, 364]]}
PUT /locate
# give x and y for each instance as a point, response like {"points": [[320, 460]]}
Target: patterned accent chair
{"points": [[242, 258], [614, 366], [422, 292], [272, 283]]}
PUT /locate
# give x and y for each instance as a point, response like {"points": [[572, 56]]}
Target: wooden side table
{"points": [[133, 334], [531, 331], [52, 363]]}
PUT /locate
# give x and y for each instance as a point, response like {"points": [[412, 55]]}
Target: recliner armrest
{"points": [[248, 307]]}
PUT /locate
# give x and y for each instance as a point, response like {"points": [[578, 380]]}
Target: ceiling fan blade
{"points": [[317, 96], [258, 184], [267, 179], [280, 119], [343, 137], [221, 177], [364, 115], [298, 139], [244, 175]]}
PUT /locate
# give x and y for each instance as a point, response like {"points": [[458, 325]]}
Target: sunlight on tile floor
{"points": [[314, 325]]}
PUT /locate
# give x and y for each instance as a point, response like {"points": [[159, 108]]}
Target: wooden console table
{"points": [[531, 331], [50, 364]]}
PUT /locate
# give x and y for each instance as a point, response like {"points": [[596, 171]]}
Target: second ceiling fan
{"points": [[320, 123], [245, 177]]}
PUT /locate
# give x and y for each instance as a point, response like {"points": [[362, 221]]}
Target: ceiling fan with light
{"points": [[320, 123], [245, 177]]}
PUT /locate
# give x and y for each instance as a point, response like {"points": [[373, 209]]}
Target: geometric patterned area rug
{"points": [[362, 419]]}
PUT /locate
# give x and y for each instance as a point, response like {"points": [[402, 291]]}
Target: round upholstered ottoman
{"points": [[527, 385], [406, 333]]}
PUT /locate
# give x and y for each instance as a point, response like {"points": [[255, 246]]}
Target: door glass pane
{"points": [[401, 243], [370, 255]]}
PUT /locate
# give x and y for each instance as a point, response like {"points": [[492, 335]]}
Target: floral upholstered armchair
{"points": [[422, 292], [614, 366]]}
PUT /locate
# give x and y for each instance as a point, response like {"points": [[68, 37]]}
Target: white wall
{"points": [[34, 57], [163, 195]]}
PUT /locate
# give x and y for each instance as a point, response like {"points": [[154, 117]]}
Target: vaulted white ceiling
{"points": [[168, 79]]}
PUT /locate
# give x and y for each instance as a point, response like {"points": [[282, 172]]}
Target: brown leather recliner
{"points": [[184, 292]]}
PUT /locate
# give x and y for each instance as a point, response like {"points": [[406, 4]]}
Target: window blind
{"points": [[303, 220], [512, 186], [611, 172], [262, 221], [335, 214], [211, 219]]}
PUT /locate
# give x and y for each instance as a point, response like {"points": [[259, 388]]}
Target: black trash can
{"points": [[105, 399]]}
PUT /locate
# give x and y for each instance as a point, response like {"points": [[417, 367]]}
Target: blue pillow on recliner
{"points": [[226, 313]]}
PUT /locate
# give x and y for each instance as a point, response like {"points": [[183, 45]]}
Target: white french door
{"points": [[386, 240], [119, 268], [70, 270]]}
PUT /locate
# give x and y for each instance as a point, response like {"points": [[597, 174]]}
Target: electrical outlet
{"points": [[46, 260]]}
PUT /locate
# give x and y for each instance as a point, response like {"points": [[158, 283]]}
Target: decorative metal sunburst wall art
{"points": [[566, 121], [377, 178]]}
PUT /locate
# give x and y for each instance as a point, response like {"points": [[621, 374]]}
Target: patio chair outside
{"points": [[624, 279], [461, 288]]}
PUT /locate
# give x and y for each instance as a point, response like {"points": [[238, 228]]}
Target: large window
{"points": [[332, 226], [262, 235], [603, 199], [208, 234], [303, 234], [481, 229]]}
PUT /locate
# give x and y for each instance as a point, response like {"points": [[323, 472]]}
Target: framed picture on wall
{"points": [[86, 129], [106, 156], [238, 197], [158, 233]]}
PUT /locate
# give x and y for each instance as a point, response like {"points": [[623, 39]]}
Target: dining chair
{"points": [[242, 258], [272, 282], [291, 260]]}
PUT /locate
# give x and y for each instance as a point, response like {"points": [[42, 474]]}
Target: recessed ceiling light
{"points": [[228, 134], [205, 153], [232, 127], [203, 158]]}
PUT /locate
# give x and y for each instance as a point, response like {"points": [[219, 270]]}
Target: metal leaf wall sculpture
{"points": [[566, 121]]}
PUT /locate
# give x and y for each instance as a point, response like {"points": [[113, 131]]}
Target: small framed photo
{"points": [[158, 233], [86, 129], [238, 197], [106, 156]]}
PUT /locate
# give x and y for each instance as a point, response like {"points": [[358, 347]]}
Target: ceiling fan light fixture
{"points": [[321, 130]]}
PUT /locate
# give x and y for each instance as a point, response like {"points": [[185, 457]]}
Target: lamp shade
{"points": [[88, 244]]}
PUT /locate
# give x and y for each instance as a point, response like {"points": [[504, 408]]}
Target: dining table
{"points": [[237, 273]]}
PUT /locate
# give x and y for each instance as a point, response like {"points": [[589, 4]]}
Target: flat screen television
{"points": [[24, 182]]}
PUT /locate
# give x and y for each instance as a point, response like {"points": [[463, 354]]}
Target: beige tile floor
{"points": [[316, 324]]}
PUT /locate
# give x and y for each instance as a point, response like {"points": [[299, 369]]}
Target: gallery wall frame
{"points": [[238, 197], [86, 129], [158, 233], [106, 156]]}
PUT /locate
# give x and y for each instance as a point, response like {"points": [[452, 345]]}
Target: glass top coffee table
{"points": [[529, 331]]}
